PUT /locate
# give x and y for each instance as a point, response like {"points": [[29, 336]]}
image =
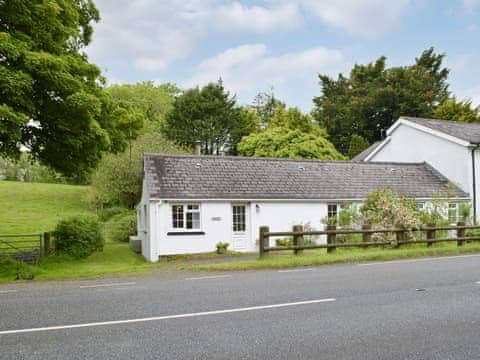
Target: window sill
{"points": [[183, 233]]}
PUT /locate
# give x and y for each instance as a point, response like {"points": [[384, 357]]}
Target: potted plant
{"points": [[222, 247]]}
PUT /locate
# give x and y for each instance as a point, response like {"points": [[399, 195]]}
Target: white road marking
{"points": [[8, 291], [106, 285], [167, 317], [295, 270], [209, 277], [418, 260], [478, 282]]}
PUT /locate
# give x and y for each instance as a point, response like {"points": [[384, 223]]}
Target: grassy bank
{"points": [[35, 208], [320, 257]]}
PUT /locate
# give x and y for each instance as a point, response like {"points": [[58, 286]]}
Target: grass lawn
{"points": [[34, 208], [286, 259], [115, 259]]}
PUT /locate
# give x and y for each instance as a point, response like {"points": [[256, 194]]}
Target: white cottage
{"points": [[189, 203], [451, 147]]}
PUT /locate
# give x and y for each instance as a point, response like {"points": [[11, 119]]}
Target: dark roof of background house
{"points": [[363, 155], [466, 131], [225, 177]]}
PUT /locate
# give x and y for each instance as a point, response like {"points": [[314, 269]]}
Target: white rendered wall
{"points": [[411, 145], [215, 221]]}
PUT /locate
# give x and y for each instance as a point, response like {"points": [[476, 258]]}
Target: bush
{"points": [[117, 180], [17, 270], [78, 237], [122, 227], [222, 247]]}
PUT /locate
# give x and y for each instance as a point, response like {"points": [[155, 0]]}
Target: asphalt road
{"points": [[422, 309]]}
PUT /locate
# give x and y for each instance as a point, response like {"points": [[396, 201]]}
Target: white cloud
{"points": [[371, 18], [256, 18], [150, 34], [247, 68]]}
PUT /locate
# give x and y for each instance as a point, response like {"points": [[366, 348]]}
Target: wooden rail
{"points": [[366, 231]]}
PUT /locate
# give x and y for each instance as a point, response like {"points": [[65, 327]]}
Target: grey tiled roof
{"points": [[225, 177], [466, 131], [362, 156]]}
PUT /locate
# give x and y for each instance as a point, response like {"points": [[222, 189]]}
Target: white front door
{"points": [[239, 227]]}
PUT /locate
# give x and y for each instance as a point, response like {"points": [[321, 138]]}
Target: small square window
{"points": [[332, 211], [186, 217]]}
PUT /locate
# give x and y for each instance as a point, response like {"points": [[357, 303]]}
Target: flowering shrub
{"points": [[384, 209]]}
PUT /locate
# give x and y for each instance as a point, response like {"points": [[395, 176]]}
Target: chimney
{"points": [[198, 148]]}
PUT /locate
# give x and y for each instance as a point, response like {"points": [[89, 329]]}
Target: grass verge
{"points": [[320, 257], [115, 259]]}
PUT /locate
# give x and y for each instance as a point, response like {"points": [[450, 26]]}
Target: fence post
{"points": [[461, 233], [331, 238], [263, 240], [46, 244], [399, 237], [297, 238], [366, 237], [430, 234]]}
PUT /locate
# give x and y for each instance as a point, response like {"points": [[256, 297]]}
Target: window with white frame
{"points": [[238, 218], [452, 212], [332, 211], [186, 216], [421, 206]]}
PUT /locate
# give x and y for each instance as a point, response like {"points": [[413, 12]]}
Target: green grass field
{"points": [[28, 208]]}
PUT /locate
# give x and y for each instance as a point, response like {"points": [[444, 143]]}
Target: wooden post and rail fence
{"points": [[400, 237]]}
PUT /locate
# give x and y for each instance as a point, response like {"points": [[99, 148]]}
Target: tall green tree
{"points": [[452, 109], [374, 96], [357, 145], [287, 143], [290, 134], [265, 104], [51, 98], [209, 115], [153, 101]]}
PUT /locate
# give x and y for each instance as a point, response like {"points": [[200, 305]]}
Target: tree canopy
{"points": [[374, 96], [209, 115], [154, 102], [451, 109], [51, 98], [289, 134], [117, 181]]}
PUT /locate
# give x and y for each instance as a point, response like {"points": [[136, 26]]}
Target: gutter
{"points": [[474, 183]]}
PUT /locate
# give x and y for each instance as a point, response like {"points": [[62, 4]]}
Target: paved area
{"points": [[414, 309]]}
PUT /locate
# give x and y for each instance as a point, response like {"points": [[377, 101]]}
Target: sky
{"points": [[259, 45]]}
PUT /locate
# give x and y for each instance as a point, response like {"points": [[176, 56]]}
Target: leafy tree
{"points": [[265, 104], [209, 115], [451, 109], [154, 102], [374, 96], [117, 180], [357, 145], [51, 98], [286, 143], [293, 118]]}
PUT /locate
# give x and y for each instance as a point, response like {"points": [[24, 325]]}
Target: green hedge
{"points": [[78, 237]]}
